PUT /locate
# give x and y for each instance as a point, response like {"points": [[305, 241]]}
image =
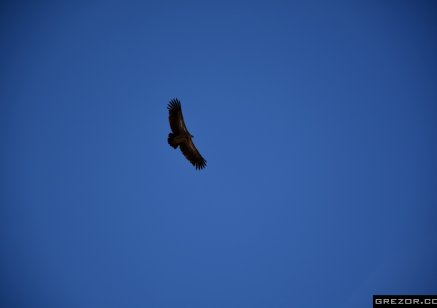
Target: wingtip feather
{"points": [[174, 104]]}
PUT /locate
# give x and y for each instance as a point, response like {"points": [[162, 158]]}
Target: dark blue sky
{"points": [[318, 121]]}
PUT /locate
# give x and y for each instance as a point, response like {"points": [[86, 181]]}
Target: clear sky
{"points": [[318, 122]]}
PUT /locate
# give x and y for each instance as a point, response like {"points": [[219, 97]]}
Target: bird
{"points": [[181, 137]]}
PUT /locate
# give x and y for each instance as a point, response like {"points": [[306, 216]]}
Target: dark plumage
{"points": [[181, 137]]}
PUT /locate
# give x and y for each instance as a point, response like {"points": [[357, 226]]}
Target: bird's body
{"points": [[178, 139], [181, 137]]}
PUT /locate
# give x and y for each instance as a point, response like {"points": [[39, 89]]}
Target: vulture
{"points": [[181, 137]]}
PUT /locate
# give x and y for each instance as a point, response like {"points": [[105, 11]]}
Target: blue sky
{"points": [[317, 119]]}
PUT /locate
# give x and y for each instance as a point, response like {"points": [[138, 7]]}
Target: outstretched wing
{"points": [[175, 117], [192, 154]]}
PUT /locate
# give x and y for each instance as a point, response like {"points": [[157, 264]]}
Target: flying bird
{"points": [[181, 137]]}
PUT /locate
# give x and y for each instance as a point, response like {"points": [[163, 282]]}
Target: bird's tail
{"points": [[171, 140]]}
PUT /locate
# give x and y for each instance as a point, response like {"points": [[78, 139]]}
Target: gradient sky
{"points": [[318, 122]]}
